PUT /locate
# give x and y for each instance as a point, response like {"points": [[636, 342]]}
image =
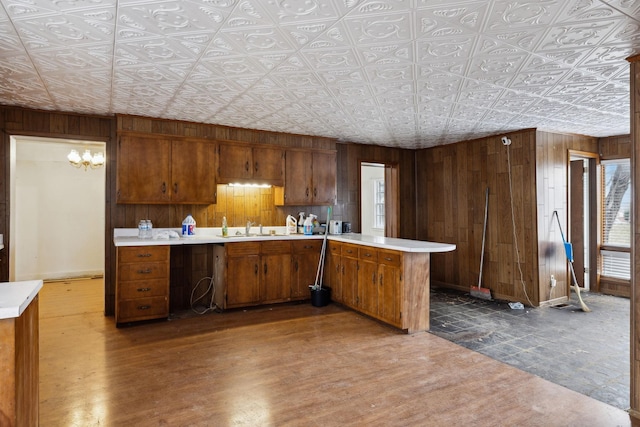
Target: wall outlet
{"points": [[553, 281]]}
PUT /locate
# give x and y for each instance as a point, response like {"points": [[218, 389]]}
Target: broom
{"points": [[479, 291], [568, 250]]}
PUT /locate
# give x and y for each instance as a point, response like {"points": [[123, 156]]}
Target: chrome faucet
{"points": [[260, 229], [248, 228]]}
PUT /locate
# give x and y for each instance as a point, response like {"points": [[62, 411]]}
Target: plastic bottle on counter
{"points": [[308, 225], [149, 230], [292, 225], [225, 229], [188, 226], [142, 229]]}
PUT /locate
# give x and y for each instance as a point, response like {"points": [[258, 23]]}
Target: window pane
{"points": [[616, 227], [616, 264]]}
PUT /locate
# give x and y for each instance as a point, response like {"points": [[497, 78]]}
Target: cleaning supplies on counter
{"points": [[225, 228], [188, 226], [300, 222], [308, 224], [291, 225]]}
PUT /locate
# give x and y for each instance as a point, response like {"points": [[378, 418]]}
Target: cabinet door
{"points": [[268, 165], [368, 287], [275, 280], [324, 178], [349, 281], [143, 172], [305, 267], [243, 280], [297, 185], [333, 271], [234, 163], [193, 171], [389, 286]]}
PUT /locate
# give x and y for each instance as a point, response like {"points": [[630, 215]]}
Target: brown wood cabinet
{"points": [[310, 179], [390, 285], [242, 277], [19, 368], [142, 283], [156, 169], [275, 282], [305, 257], [250, 164]]}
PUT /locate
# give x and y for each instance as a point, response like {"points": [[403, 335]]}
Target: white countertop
{"points": [[129, 237], [16, 296]]}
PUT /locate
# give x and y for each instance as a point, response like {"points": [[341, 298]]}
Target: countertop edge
{"points": [[403, 245], [18, 296]]}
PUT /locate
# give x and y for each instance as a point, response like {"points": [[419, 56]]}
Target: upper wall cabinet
{"points": [[157, 169], [250, 164], [310, 179]]}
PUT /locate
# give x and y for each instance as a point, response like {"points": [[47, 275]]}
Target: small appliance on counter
{"points": [[346, 227], [335, 227]]}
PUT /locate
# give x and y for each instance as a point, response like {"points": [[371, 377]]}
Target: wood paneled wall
{"points": [[450, 186], [350, 156], [615, 147]]}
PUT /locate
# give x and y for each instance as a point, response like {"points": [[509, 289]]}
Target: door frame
{"points": [[594, 213], [391, 196]]}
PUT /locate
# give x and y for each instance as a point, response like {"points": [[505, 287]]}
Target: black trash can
{"points": [[320, 297]]}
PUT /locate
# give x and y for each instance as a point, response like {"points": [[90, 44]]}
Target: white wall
{"points": [[368, 174], [58, 213]]}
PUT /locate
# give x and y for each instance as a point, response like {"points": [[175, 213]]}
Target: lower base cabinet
{"points": [[142, 283], [255, 273], [391, 286]]}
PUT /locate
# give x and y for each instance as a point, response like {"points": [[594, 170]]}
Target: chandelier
{"points": [[87, 160]]}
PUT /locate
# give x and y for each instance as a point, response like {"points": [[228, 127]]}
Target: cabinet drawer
{"points": [[243, 248], [142, 289], [143, 271], [306, 246], [391, 258], [368, 254], [276, 247], [142, 308], [335, 248], [350, 251], [143, 254]]}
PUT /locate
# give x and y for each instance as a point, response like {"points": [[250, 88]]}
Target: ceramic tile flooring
{"points": [[585, 352]]}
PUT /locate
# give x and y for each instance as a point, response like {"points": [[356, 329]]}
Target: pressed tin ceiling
{"points": [[404, 73]]}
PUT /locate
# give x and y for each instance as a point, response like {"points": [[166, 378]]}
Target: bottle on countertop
{"points": [[188, 226], [142, 229], [292, 225], [149, 230], [308, 225], [225, 229]]}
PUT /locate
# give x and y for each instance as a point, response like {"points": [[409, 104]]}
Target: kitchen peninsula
{"points": [[19, 353], [385, 278]]}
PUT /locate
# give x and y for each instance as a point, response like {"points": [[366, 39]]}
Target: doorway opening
{"points": [[379, 199], [57, 212], [583, 217]]}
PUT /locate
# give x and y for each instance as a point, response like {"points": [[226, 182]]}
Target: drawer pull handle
{"points": [[144, 289], [387, 258], [144, 255], [144, 307], [147, 271], [349, 251], [367, 255], [307, 246]]}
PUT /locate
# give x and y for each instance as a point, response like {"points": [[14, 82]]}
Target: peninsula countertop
{"points": [[129, 237], [16, 296]]}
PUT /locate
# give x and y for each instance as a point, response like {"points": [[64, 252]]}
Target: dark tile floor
{"points": [[585, 352]]}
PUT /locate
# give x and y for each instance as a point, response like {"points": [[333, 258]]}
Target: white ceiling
{"points": [[405, 73]]}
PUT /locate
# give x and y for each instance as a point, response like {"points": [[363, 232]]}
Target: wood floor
{"points": [[292, 365]]}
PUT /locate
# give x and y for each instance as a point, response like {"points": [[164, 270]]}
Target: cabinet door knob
{"points": [[256, 166], [147, 271], [306, 193], [144, 255], [144, 307], [265, 268], [164, 187], [175, 187], [256, 270], [143, 289], [246, 166]]}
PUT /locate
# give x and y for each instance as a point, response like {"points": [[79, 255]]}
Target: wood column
{"points": [[634, 74]]}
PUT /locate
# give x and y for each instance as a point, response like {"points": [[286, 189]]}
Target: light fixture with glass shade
{"points": [[87, 160]]}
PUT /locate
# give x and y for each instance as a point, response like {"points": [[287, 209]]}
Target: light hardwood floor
{"points": [[290, 365]]}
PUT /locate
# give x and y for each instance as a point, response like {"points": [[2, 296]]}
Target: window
{"points": [[378, 203], [616, 219]]}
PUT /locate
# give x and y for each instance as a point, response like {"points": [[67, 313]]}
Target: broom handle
{"points": [[484, 233]]}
